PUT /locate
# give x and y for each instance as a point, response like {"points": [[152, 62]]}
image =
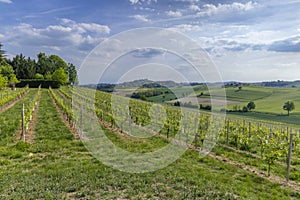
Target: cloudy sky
{"points": [[247, 40]]}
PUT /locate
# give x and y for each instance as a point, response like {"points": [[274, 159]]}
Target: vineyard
{"points": [[46, 134]]}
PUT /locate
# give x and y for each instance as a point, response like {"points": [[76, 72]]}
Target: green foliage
{"points": [[60, 76], [7, 71], [2, 52], [24, 68], [13, 81], [245, 109], [72, 73], [289, 106], [57, 62], [39, 76], [43, 64], [251, 105], [11, 97], [48, 76], [3, 81]]}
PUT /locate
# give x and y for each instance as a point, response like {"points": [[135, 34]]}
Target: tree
{"points": [[24, 68], [43, 64], [7, 71], [60, 76], [56, 63], [245, 109], [289, 106], [2, 52], [72, 74], [251, 105], [3, 81], [13, 81]]}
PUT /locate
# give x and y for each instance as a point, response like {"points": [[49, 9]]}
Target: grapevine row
{"points": [[30, 108], [269, 141], [6, 99]]}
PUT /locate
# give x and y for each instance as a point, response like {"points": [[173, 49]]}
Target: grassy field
{"points": [[56, 166], [268, 100]]}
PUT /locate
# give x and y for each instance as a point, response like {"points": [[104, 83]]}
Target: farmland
{"points": [[268, 100], [56, 164]]}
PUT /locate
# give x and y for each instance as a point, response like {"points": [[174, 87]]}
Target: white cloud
{"points": [[5, 1], [142, 18], [191, 1], [142, 1], [134, 1], [67, 33], [210, 9], [194, 7], [187, 28], [173, 13]]}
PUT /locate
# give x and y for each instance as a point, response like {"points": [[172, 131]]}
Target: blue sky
{"points": [[247, 40]]}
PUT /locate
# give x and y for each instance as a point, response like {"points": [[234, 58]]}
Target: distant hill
{"points": [[147, 84], [279, 83], [142, 83]]}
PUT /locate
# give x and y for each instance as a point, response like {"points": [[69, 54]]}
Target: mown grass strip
{"points": [[10, 120]]}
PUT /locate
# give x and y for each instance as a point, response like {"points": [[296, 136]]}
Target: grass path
{"points": [[10, 119], [49, 124]]}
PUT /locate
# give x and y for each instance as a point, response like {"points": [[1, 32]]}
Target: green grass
{"points": [[57, 167], [270, 106], [10, 120], [292, 120], [266, 99], [176, 92], [248, 94]]}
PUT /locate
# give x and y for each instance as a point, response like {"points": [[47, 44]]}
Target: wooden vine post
{"points": [[196, 129], [289, 158], [227, 132], [156, 119], [23, 123], [81, 124]]}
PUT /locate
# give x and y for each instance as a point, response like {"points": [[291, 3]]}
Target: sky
{"points": [[246, 40]]}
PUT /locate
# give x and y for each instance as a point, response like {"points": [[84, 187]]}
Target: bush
{"points": [[205, 107], [33, 83], [245, 109], [39, 76]]}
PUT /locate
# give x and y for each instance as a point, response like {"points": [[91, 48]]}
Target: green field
{"points": [[269, 102]]}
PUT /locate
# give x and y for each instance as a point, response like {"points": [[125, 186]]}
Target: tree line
{"points": [[45, 67]]}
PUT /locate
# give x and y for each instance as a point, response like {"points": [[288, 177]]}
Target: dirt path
{"points": [[30, 132], [13, 102]]}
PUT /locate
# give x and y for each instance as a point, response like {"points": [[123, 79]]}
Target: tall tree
{"points": [[24, 68], [72, 73], [289, 106], [3, 61], [43, 64], [56, 63]]}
